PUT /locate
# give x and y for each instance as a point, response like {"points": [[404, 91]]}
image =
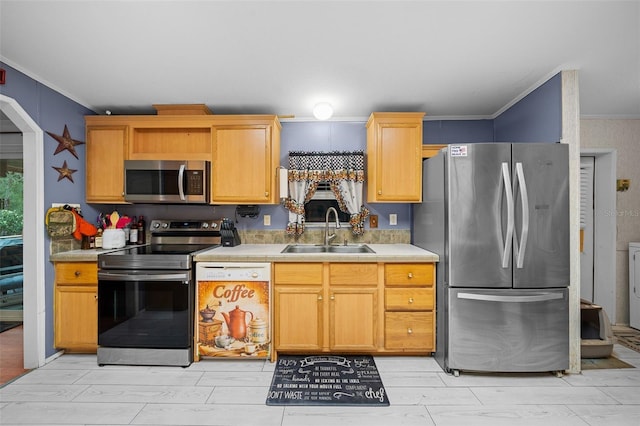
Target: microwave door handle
{"points": [[181, 181]]}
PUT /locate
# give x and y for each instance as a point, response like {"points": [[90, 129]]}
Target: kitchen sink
{"points": [[309, 248]]}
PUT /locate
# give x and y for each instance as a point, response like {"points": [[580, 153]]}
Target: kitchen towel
{"points": [[283, 176]]}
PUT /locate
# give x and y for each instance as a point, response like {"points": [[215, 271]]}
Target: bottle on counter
{"points": [[133, 233], [141, 230], [98, 242]]}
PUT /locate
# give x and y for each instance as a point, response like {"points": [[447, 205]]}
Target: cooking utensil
{"points": [[115, 217]]}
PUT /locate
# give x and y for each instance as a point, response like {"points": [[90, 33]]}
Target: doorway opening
{"points": [[33, 238], [598, 254], [11, 224]]}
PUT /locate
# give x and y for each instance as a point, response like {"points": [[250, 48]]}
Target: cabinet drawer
{"points": [[76, 273], [353, 273], [405, 330], [408, 299], [297, 273], [409, 274]]}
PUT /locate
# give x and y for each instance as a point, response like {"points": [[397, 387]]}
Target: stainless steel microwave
{"points": [[171, 182]]}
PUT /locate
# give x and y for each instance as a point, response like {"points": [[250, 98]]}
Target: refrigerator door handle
{"points": [[506, 247], [543, 297], [525, 217]]}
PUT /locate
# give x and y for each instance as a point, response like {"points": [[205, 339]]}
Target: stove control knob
{"points": [[205, 225], [156, 225], [214, 225], [165, 225]]}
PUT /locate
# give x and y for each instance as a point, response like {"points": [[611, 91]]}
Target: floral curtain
{"points": [[345, 173]]}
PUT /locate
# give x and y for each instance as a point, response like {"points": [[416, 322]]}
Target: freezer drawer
{"points": [[508, 330]]}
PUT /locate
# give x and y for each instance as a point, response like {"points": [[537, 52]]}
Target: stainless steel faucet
{"points": [[328, 237]]}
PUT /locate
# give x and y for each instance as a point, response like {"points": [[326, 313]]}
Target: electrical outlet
{"points": [[267, 220], [393, 219], [373, 221]]}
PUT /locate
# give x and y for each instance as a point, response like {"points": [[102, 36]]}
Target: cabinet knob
{"points": [[409, 331], [332, 297], [319, 298], [266, 194], [77, 273], [411, 300], [379, 191], [410, 275]]}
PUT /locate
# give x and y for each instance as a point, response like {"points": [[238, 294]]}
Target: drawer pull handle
{"points": [[411, 300], [77, 273], [410, 275], [409, 331]]}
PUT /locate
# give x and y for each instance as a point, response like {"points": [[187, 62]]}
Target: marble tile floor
{"points": [[74, 390]]}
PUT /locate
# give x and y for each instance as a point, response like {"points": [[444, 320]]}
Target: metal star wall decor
{"points": [[65, 172], [65, 142]]}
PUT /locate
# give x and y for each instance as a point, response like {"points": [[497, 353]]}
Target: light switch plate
{"points": [[393, 219], [267, 220]]}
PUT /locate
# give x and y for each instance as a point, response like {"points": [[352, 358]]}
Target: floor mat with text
{"points": [[327, 380]]}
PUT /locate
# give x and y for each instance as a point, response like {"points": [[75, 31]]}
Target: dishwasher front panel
{"points": [[233, 310]]}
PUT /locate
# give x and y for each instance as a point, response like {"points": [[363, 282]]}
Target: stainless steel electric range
{"points": [[146, 295]]}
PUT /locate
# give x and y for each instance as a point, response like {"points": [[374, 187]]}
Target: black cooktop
{"points": [[160, 249], [156, 257]]}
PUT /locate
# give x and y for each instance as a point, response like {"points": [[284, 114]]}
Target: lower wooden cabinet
{"points": [[315, 314], [354, 307], [409, 331], [409, 316], [76, 307]]}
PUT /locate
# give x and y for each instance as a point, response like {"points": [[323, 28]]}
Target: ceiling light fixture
{"points": [[323, 111]]}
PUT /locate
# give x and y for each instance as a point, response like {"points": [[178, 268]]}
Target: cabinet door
{"points": [[242, 170], [171, 143], [76, 318], [353, 318], [394, 148], [106, 147], [298, 318]]}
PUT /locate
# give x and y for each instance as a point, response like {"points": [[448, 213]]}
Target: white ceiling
{"points": [[449, 59]]}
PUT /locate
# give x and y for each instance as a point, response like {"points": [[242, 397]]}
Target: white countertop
{"points": [[273, 253]]}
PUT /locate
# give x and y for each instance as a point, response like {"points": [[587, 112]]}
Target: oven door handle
{"points": [[127, 276]]}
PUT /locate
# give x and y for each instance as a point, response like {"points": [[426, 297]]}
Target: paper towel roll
{"points": [[284, 182]]}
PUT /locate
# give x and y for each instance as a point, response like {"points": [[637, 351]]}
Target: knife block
{"points": [[229, 234]]}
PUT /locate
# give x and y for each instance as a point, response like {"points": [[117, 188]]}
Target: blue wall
{"points": [[442, 132], [52, 111], [535, 118]]}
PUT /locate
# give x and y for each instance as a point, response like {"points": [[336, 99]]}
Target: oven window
{"points": [[144, 314]]}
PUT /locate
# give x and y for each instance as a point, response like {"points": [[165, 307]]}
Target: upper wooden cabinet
{"points": [[394, 157], [170, 143], [244, 151], [246, 155], [106, 148]]}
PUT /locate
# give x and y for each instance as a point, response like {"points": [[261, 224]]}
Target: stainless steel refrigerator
{"points": [[497, 214]]}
